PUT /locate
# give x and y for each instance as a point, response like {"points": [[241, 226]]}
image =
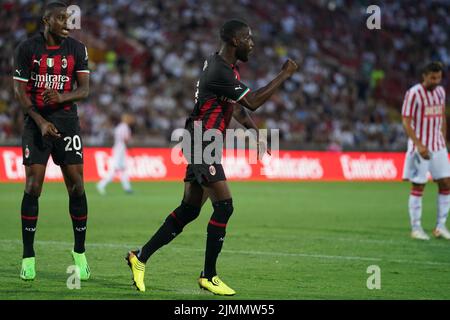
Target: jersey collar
{"points": [[50, 47], [233, 66]]}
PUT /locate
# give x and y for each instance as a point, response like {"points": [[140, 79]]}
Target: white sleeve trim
{"points": [[20, 79], [243, 94], [84, 71]]}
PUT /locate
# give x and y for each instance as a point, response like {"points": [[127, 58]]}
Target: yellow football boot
{"points": [[215, 285], [137, 269]]}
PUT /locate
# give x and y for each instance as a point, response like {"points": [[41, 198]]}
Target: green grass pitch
{"points": [[308, 240]]}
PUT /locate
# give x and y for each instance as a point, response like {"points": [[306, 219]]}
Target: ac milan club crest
{"points": [[27, 152], [64, 63], [212, 170]]}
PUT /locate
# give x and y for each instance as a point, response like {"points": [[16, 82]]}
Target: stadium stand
{"points": [[145, 57]]}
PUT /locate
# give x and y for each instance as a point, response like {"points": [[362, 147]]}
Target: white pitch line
{"points": [[391, 241], [261, 253]]}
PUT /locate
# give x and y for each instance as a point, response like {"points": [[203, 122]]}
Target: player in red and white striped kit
{"points": [[425, 124]]}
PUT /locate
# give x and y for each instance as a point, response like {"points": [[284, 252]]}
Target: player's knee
{"points": [[222, 212], [184, 214], [76, 188], [33, 187]]}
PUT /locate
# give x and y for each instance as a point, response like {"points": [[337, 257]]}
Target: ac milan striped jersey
{"points": [[218, 89], [42, 67], [426, 108]]}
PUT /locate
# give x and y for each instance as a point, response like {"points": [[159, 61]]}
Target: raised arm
{"points": [[254, 99]]}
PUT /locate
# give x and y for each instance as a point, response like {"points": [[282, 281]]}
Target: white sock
{"points": [[415, 209], [443, 207], [125, 181]]}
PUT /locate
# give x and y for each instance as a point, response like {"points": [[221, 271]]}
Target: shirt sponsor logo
{"points": [[433, 111], [49, 81]]}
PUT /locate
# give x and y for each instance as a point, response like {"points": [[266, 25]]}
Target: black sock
{"points": [[78, 213], [214, 243], [172, 226], [29, 211], [216, 235]]}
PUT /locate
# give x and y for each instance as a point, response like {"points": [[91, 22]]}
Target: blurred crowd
{"points": [[146, 55]]}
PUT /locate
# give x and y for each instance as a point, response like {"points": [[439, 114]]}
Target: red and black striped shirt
{"points": [[218, 89], [43, 67]]}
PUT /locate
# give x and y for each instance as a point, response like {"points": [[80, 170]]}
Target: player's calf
{"points": [[78, 212], [172, 226], [29, 217], [216, 234]]}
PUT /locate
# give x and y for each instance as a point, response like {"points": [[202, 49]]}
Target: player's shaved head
{"points": [[236, 36], [55, 20], [230, 29]]}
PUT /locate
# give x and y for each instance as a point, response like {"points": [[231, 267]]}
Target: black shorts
{"points": [[66, 150], [204, 173]]}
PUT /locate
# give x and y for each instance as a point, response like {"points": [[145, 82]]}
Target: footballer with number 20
{"points": [[50, 74]]}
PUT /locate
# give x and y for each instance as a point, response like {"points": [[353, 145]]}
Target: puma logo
{"points": [[80, 154], [238, 88], [37, 61]]}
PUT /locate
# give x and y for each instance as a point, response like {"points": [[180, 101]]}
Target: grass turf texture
{"points": [[284, 241]]}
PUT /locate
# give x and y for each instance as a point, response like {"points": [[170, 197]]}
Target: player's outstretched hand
{"points": [[289, 67], [51, 96], [48, 129]]}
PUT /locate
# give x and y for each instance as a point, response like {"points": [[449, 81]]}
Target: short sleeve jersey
{"points": [[218, 89], [42, 67], [122, 134]]}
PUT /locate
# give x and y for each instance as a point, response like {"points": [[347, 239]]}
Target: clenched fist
{"points": [[289, 67]]}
